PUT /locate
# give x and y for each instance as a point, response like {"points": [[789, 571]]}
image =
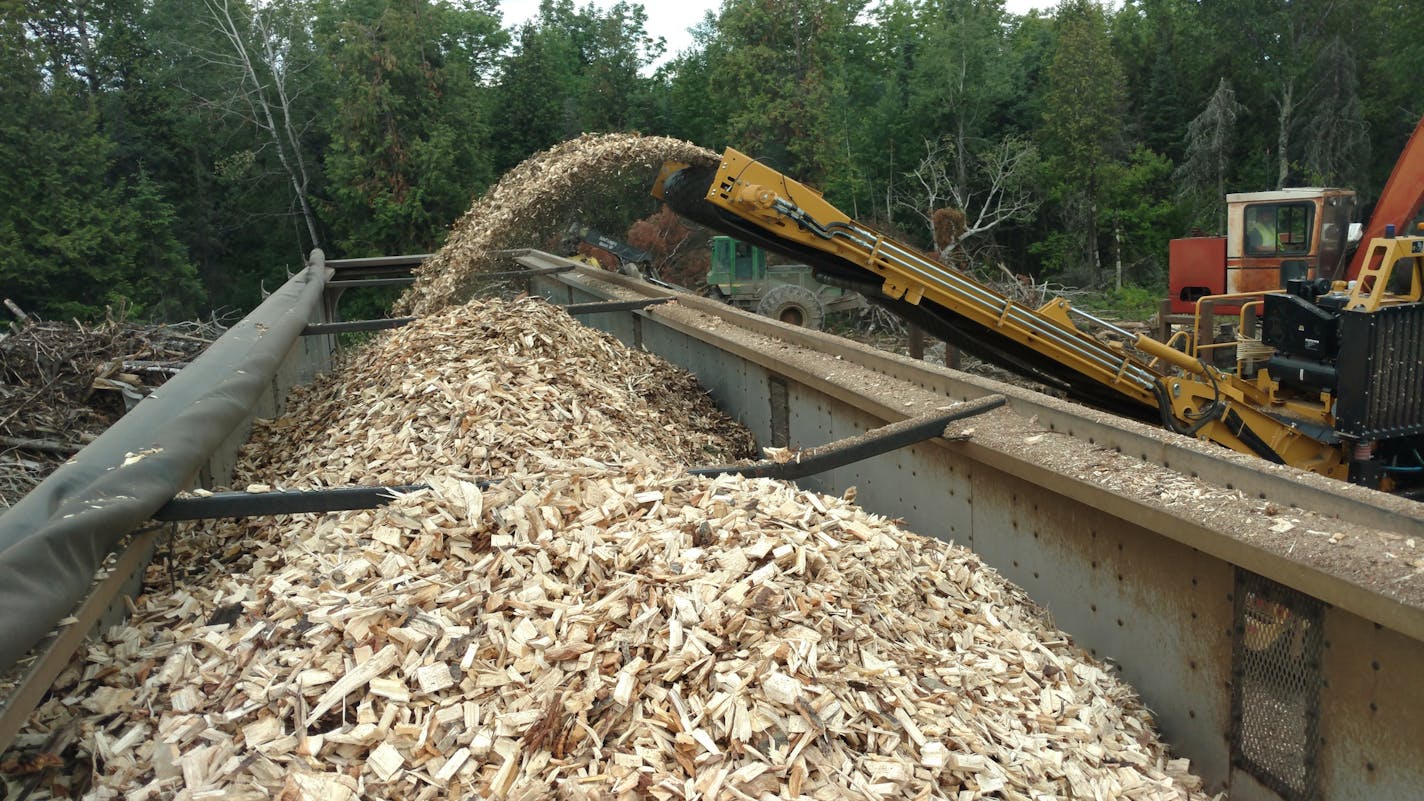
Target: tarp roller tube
{"points": [[56, 537]]}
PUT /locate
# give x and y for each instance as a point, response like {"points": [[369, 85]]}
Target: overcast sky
{"points": [[671, 20]]}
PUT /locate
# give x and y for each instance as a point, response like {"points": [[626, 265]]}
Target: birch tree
{"points": [[264, 61]]}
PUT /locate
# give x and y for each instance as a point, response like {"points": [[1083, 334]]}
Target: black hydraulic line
{"points": [[355, 282], [285, 502], [341, 499], [854, 449], [1214, 411], [1236, 425], [316, 329], [613, 306], [408, 260]]}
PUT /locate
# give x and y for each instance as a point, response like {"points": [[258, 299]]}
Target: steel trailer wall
{"points": [[1345, 721]]}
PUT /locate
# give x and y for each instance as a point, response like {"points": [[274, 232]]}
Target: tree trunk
{"points": [[282, 136], [1220, 199], [1095, 258], [1117, 253], [1286, 106]]}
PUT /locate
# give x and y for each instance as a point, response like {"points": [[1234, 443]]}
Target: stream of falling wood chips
{"points": [[530, 201], [595, 624]]}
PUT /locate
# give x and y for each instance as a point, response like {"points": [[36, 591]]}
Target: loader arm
{"points": [[746, 199]]}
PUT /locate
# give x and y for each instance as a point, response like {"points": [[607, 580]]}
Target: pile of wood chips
{"points": [[492, 388], [534, 198], [596, 624]]}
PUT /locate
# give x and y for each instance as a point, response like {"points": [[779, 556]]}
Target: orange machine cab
{"points": [[1271, 238]]}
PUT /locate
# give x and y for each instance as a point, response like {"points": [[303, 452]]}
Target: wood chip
{"points": [[385, 761], [434, 678], [358, 677]]}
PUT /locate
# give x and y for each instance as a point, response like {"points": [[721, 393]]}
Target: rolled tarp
{"points": [[56, 537]]}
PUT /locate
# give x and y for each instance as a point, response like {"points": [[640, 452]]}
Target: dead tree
{"points": [[995, 187], [262, 58]]}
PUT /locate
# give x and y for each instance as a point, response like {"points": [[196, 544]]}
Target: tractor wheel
{"points": [[793, 305]]}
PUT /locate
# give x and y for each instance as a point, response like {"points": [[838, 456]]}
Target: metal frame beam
{"points": [[351, 326], [349, 283], [614, 306], [284, 502], [854, 449]]}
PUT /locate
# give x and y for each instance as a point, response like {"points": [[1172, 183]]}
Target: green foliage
{"points": [[1167, 63], [1210, 141], [1339, 144], [965, 75], [407, 129], [778, 84], [182, 115], [680, 92], [570, 72], [1142, 216], [140, 168], [535, 84], [1272, 50], [73, 237], [1132, 302], [1082, 135], [1389, 53], [157, 280]]}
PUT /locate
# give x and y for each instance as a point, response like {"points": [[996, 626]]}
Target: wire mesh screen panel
{"points": [[1276, 686]]}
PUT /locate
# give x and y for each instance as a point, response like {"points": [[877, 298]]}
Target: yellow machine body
{"points": [[1252, 415]]}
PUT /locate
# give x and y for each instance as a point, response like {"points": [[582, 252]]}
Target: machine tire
{"points": [[793, 305]]}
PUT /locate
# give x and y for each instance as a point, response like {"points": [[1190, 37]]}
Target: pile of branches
{"points": [[62, 384]]}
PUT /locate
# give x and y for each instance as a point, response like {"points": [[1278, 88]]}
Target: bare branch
{"points": [[989, 184], [261, 91]]}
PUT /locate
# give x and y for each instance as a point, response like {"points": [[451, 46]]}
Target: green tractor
{"points": [[739, 275]]}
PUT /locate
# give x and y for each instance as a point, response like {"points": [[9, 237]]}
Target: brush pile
{"points": [[595, 623], [539, 196], [63, 384]]}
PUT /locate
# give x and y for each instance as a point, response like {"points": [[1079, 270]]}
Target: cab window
{"points": [[1278, 229], [743, 261]]}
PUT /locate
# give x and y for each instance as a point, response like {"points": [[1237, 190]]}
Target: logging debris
{"points": [[598, 624], [536, 197], [63, 384]]}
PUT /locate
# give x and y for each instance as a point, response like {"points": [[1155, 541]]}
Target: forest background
{"points": [[176, 156]]}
